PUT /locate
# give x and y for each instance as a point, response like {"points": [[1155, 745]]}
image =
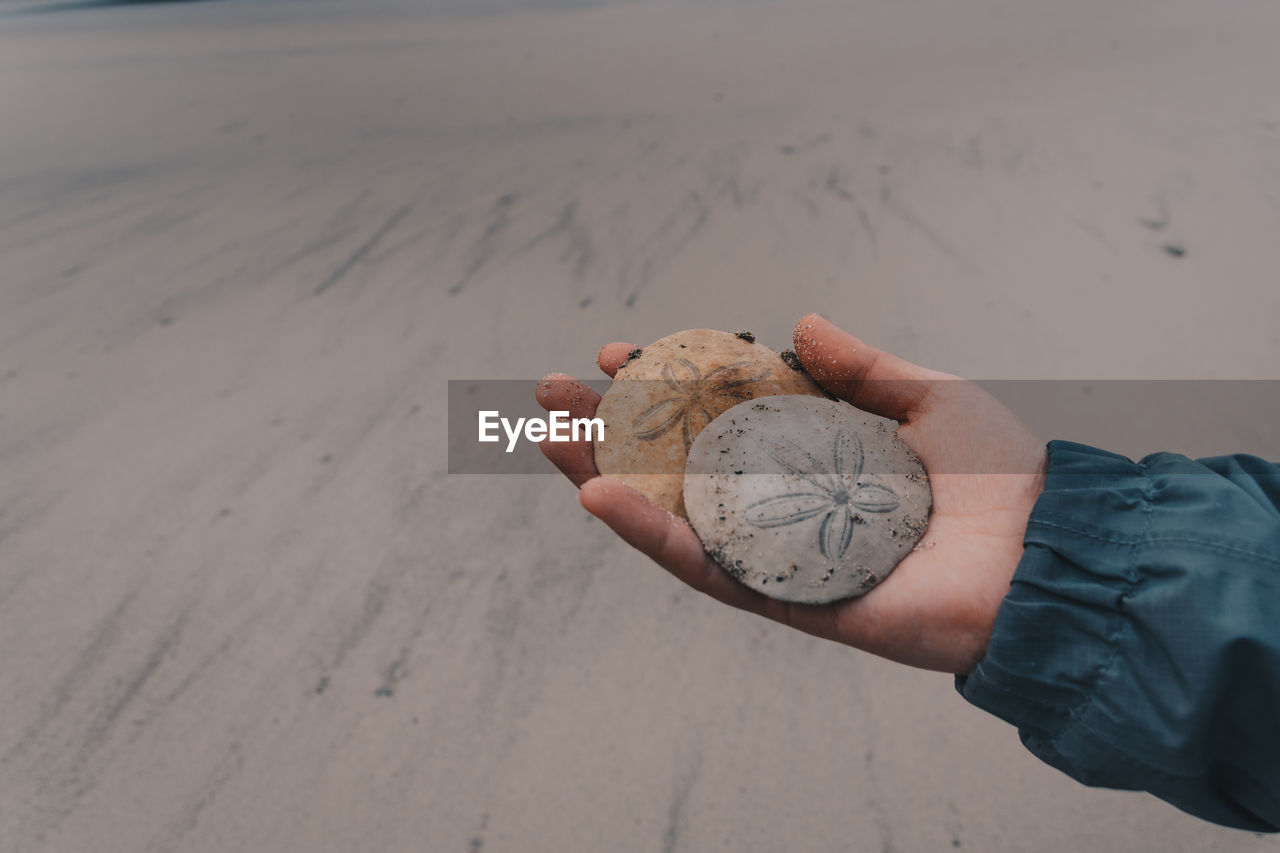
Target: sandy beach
{"points": [[244, 247]]}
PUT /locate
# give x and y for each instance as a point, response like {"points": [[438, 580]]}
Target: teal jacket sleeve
{"points": [[1139, 644]]}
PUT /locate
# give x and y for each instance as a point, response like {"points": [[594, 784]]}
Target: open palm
{"points": [[937, 608]]}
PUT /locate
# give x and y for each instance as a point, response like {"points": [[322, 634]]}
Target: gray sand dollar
{"points": [[805, 499]]}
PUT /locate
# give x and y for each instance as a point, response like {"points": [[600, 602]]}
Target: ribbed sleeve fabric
{"points": [[1139, 644]]}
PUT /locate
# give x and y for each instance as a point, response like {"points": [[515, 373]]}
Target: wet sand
{"points": [[242, 248]]}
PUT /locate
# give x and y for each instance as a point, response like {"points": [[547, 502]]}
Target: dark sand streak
{"points": [[364, 249]]}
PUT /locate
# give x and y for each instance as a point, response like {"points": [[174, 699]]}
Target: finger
{"points": [[871, 379], [559, 392], [613, 356], [668, 541], [562, 393]]}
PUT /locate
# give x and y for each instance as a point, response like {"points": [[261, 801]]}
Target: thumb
{"points": [[871, 379]]}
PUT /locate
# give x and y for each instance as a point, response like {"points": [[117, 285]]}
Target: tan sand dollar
{"points": [[805, 500], [661, 399]]}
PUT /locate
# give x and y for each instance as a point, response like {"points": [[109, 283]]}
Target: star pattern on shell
{"points": [[695, 399], [837, 493]]}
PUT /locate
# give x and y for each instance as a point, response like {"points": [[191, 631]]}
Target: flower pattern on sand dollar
{"points": [[836, 496], [696, 399]]}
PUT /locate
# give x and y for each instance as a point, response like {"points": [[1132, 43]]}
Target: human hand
{"points": [[936, 610]]}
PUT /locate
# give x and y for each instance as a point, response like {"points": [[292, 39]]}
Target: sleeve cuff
{"points": [[1113, 651], [1058, 628]]}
